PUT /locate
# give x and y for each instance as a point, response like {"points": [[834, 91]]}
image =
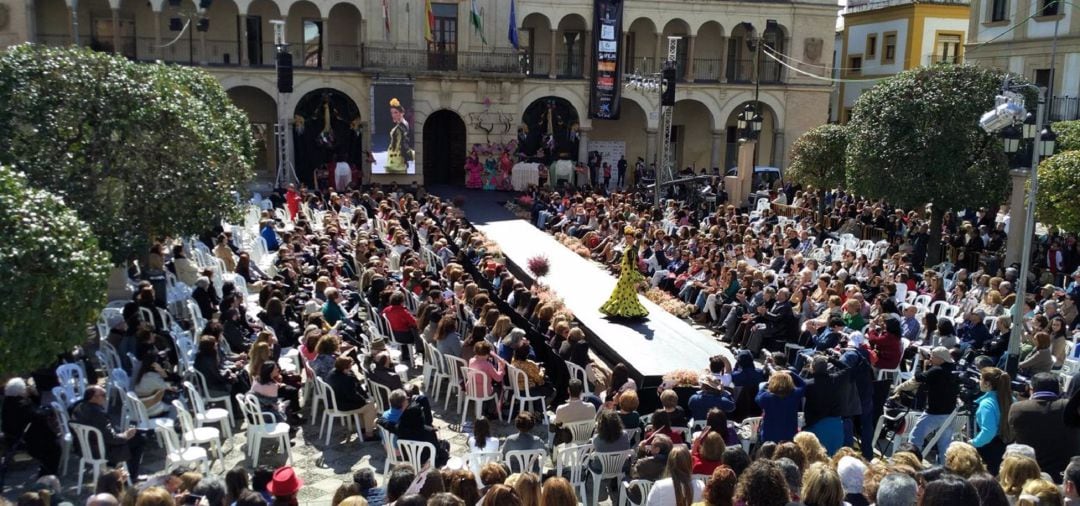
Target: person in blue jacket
{"points": [[270, 235], [780, 400], [992, 433], [711, 395]]}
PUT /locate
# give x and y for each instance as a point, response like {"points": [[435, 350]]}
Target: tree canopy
{"points": [[1068, 133], [53, 273], [914, 139], [818, 157], [138, 150], [1059, 185]]}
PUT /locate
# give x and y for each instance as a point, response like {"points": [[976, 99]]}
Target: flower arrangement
{"points": [[539, 265], [669, 303], [681, 378], [546, 296], [525, 201]]}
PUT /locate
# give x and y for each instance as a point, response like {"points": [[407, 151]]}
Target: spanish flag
{"points": [[429, 22]]}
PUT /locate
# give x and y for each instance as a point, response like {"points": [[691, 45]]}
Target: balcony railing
{"points": [[538, 65], [950, 58], [569, 68], [1064, 108], [742, 71], [707, 69]]}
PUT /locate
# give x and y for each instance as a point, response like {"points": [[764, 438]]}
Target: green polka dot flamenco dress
{"points": [[623, 302]]}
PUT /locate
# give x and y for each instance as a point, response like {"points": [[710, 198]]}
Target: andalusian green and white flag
{"points": [[478, 21]]}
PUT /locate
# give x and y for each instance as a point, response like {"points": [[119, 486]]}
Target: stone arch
{"points": [[342, 47], [313, 146], [647, 103], [640, 53], [305, 40], [771, 125], [534, 141], [261, 109], [266, 10], [536, 27], [573, 21], [444, 145], [693, 143]]}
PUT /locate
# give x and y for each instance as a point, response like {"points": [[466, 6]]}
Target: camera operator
{"points": [[941, 387]]}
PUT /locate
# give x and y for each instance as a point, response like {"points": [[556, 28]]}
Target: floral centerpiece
{"points": [[681, 378], [539, 266]]}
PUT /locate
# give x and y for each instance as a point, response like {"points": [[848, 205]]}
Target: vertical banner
{"points": [[606, 86], [392, 135]]}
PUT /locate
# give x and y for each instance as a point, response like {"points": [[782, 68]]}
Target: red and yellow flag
{"points": [[429, 22]]}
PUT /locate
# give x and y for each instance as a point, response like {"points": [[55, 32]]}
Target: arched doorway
{"points": [[326, 127], [261, 111], [444, 148], [549, 131], [766, 140]]}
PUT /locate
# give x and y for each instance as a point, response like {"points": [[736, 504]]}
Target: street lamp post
{"points": [[1042, 141]]}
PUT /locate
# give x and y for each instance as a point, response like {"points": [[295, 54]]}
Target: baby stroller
{"points": [[894, 427]]}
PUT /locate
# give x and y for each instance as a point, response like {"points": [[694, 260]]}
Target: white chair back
{"points": [[571, 462], [526, 461], [72, 380], [642, 486], [413, 452], [582, 431]]}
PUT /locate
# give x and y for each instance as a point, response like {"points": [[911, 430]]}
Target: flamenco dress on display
{"points": [[624, 302]]}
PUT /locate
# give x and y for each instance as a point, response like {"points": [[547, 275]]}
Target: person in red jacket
{"points": [[292, 201], [884, 337], [402, 325]]}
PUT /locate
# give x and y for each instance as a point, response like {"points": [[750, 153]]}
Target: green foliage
{"points": [[138, 150], [53, 273], [1059, 185], [1068, 133], [915, 139], [818, 157]]}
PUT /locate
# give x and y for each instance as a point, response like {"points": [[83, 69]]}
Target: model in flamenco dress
{"points": [[624, 302]]}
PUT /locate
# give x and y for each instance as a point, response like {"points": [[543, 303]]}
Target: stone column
{"points": [[552, 66], [1017, 215], [586, 65], [241, 33], [717, 144], [116, 31], [739, 185], [690, 58], [651, 147], [324, 39], [723, 59], [661, 53]]}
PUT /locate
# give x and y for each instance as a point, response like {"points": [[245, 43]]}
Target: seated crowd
{"points": [[377, 304]]}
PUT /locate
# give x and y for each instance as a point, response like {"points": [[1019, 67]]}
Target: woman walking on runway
{"points": [[623, 302]]}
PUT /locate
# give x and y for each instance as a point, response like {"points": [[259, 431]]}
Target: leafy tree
{"points": [[915, 140], [1068, 133], [53, 276], [1059, 185], [138, 150], [818, 157]]}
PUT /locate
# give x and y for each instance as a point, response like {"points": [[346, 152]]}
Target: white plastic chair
{"points": [[176, 455], [642, 486], [455, 369], [435, 371], [611, 467], [748, 432], [526, 461], [193, 435], [922, 302], [577, 372], [571, 462], [200, 383], [519, 383], [66, 438], [381, 393], [412, 452], [135, 412], [582, 431], [72, 380], [332, 413], [262, 426], [392, 455], [474, 380], [84, 434], [204, 415]]}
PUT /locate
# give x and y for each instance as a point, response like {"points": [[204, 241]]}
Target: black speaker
{"points": [[667, 86], [284, 72]]}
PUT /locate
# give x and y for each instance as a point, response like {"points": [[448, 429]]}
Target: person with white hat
{"points": [[941, 389]]}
